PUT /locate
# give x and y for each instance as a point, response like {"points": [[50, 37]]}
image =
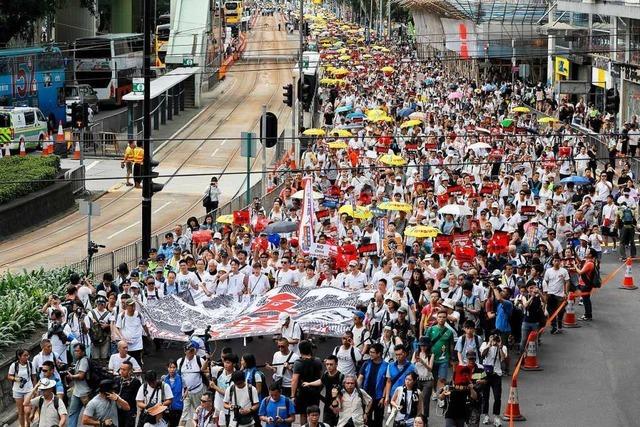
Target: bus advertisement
{"points": [[108, 63], [163, 29], [33, 77], [232, 12]]}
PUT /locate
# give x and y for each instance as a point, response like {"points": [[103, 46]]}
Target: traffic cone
{"points": [[23, 149], [45, 145], [627, 282], [512, 410], [569, 320], [531, 356], [76, 151], [50, 146]]}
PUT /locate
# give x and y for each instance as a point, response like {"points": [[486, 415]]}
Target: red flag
{"points": [[241, 217], [201, 236], [260, 244], [498, 243], [261, 224], [442, 245]]}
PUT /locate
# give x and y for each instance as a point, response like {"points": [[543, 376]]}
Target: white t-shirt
{"points": [[492, 358], [285, 278], [186, 281], [131, 328], [115, 361], [356, 282], [258, 285], [84, 294], [241, 398], [152, 396], [24, 372], [278, 362], [554, 280], [345, 359], [292, 332], [236, 283], [190, 372]]}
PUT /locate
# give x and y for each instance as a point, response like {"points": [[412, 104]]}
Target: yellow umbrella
{"points": [[387, 119], [376, 47], [327, 81], [421, 231], [314, 132], [340, 72], [385, 50], [338, 145], [225, 219], [520, 110], [360, 212], [396, 206], [387, 69], [342, 50], [344, 57], [342, 133], [375, 113], [548, 120], [410, 123], [392, 160], [367, 56]]}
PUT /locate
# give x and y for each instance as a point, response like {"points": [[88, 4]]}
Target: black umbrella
{"points": [[281, 227]]}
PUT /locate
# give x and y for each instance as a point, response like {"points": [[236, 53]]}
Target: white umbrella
{"points": [[479, 146], [300, 195], [455, 210]]}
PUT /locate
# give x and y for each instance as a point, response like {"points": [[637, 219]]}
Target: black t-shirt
{"points": [[128, 391], [309, 370], [331, 383], [534, 312], [112, 288], [457, 408]]}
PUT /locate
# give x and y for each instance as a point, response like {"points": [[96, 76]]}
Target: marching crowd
{"points": [[470, 219]]}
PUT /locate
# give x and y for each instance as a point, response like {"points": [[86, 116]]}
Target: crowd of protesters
{"points": [[516, 213]]}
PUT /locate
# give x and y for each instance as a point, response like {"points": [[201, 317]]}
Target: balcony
{"points": [[619, 8]]}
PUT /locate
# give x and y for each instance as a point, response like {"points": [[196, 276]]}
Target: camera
{"points": [[23, 382]]}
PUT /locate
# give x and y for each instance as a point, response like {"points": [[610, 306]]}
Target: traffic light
{"points": [[288, 95], [612, 101], [77, 119], [270, 134], [85, 114], [155, 186]]}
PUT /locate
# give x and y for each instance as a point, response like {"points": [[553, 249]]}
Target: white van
{"points": [[22, 123]]}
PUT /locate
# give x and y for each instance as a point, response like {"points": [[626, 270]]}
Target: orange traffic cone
{"points": [[531, 356], [627, 282], [76, 151], [50, 147], [569, 320], [512, 411], [23, 149], [45, 145]]}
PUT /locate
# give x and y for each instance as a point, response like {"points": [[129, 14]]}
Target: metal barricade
{"points": [[76, 176]]}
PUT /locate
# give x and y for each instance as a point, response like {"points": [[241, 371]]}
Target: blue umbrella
{"points": [[405, 112], [429, 81], [577, 180], [344, 108], [356, 115]]}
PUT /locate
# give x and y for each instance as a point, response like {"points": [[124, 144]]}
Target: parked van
{"points": [[22, 123]]}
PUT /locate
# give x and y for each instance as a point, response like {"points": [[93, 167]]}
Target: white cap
{"points": [[217, 235], [283, 317], [186, 327]]}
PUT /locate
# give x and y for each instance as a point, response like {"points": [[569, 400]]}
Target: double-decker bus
{"points": [[108, 63], [33, 77], [232, 12]]}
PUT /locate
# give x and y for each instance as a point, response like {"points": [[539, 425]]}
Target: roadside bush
{"points": [[29, 171]]}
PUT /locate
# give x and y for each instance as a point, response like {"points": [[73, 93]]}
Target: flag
{"points": [[498, 243], [241, 217], [305, 230]]}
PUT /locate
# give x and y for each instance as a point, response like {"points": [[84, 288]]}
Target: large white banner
{"points": [[323, 311]]}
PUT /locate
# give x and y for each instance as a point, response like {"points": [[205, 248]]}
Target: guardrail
{"points": [[76, 176]]}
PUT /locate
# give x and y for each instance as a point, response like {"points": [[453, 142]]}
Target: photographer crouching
{"points": [[102, 410]]}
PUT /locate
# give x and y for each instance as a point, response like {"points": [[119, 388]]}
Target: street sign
{"points": [[187, 62], [138, 85], [89, 208], [248, 144]]}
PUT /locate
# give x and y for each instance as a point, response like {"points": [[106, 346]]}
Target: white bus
{"points": [[108, 63]]}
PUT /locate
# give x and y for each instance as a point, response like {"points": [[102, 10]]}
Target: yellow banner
{"points": [[562, 66]]}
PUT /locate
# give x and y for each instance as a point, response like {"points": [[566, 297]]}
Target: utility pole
{"points": [[300, 69], [147, 190]]}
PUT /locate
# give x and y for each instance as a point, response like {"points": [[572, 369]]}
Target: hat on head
{"points": [[46, 383], [413, 220], [584, 237], [192, 345], [102, 293], [160, 257], [353, 263], [424, 341], [130, 301], [399, 285], [282, 318], [159, 270], [217, 235], [359, 314], [101, 300], [135, 285], [495, 205], [448, 303], [186, 327], [403, 309], [444, 284]]}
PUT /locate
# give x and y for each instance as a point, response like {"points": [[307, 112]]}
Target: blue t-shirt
{"points": [[273, 409], [392, 372], [503, 316]]}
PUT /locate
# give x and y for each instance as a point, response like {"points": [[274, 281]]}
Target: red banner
{"points": [[369, 249], [499, 242], [324, 213], [241, 217]]}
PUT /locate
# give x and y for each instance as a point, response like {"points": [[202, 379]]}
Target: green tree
{"points": [[19, 17]]}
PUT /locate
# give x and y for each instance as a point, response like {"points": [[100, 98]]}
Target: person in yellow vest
{"points": [[127, 161], [138, 157]]}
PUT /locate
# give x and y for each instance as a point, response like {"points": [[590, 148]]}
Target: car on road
{"points": [[26, 124], [79, 94]]}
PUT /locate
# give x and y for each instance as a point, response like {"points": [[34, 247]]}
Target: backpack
{"points": [[56, 404], [96, 332], [95, 373], [627, 217], [353, 357], [246, 418], [595, 280], [463, 339], [303, 335], [264, 392]]}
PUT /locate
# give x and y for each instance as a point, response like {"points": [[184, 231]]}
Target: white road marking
{"points": [[162, 207], [92, 165], [123, 230], [224, 141], [215, 152]]}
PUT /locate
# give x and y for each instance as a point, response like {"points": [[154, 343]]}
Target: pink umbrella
{"points": [[455, 95]]}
